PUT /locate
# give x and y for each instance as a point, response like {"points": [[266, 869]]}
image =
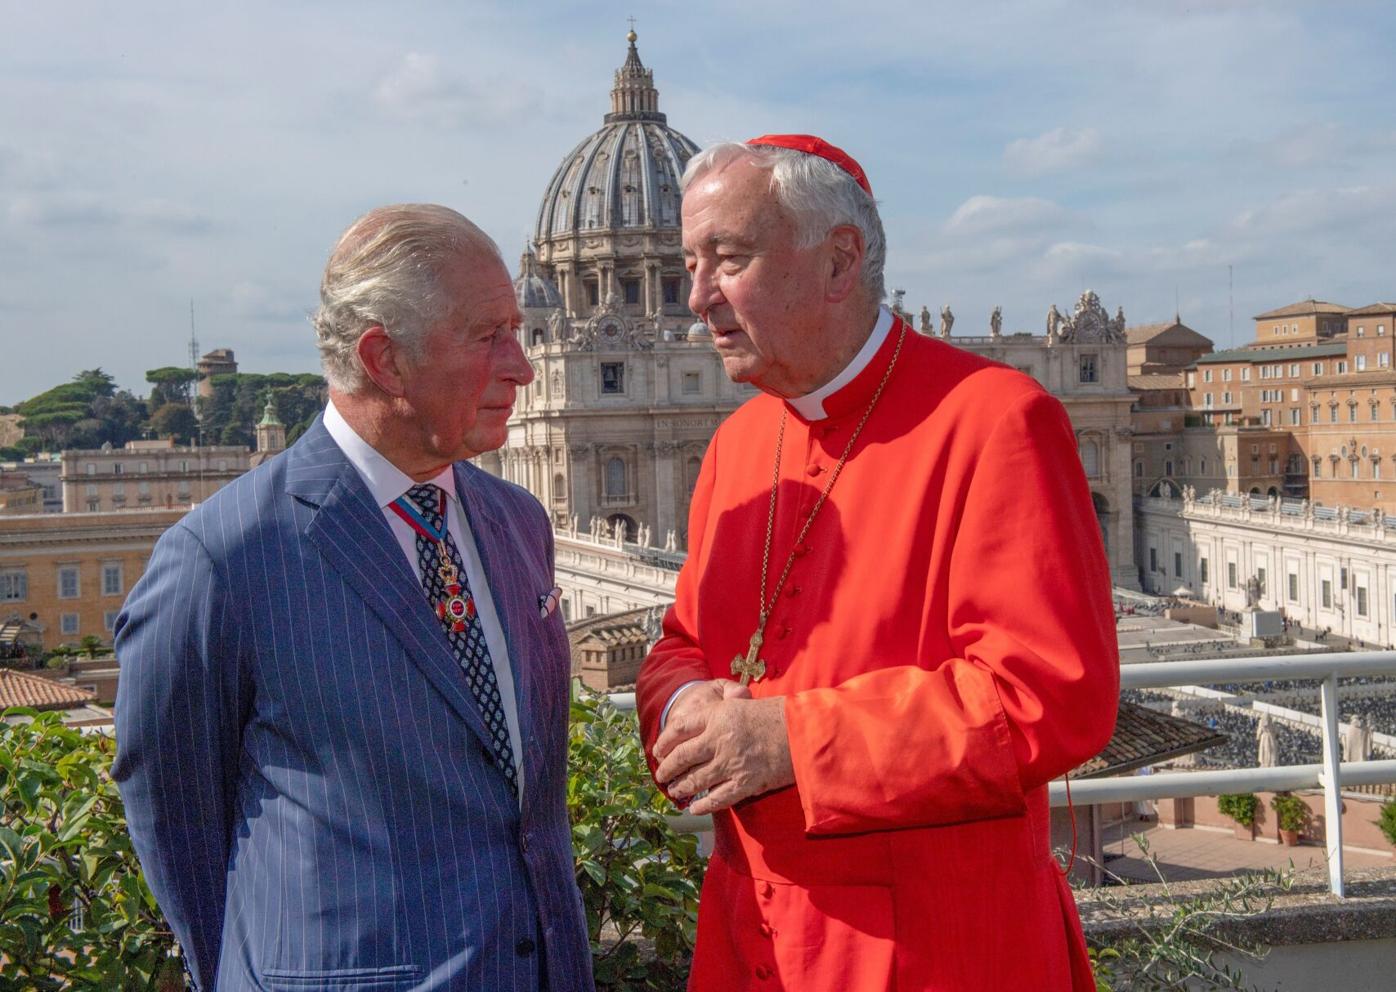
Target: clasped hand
{"points": [[724, 745]]}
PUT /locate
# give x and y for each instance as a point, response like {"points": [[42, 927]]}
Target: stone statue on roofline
{"points": [[1054, 324], [1267, 747], [1357, 742], [947, 320], [926, 321], [996, 322]]}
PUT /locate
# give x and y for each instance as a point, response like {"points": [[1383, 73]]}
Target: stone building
{"points": [[1306, 322], [1323, 566], [219, 361], [69, 574], [1165, 348], [147, 474], [271, 435], [1081, 360], [628, 389]]}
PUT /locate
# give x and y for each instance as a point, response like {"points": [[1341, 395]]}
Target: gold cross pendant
{"points": [[750, 668]]}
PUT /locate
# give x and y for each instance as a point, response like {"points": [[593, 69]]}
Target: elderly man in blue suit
{"points": [[341, 726]]}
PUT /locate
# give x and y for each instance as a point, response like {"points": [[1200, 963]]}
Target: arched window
{"points": [[559, 487], [1090, 458], [691, 473], [615, 477]]}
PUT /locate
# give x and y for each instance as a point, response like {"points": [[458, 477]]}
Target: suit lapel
{"points": [[349, 530], [511, 595]]}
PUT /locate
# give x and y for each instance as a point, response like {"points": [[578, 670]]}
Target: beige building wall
{"points": [[147, 474], [70, 574]]}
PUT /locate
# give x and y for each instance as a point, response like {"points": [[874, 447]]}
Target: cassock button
{"points": [[801, 550], [784, 632], [767, 890], [765, 929], [762, 972], [814, 470], [793, 591], [524, 947]]}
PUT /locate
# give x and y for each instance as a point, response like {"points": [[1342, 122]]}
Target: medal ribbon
{"points": [[407, 510]]}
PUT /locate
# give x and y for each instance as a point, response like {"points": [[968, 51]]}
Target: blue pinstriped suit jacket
{"points": [[305, 771]]}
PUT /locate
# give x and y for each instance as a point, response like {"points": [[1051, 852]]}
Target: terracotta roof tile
{"points": [[1146, 737], [1303, 308], [23, 689]]}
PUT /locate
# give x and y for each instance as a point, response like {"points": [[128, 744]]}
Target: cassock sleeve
{"points": [[1033, 687], [676, 657]]}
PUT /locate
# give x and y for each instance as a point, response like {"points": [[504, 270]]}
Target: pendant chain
{"points": [[764, 606]]}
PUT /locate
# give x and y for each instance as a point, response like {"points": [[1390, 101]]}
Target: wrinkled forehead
{"points": [[734, 203]]}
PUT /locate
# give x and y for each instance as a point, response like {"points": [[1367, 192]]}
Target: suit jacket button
{"points": [[524, 947]]}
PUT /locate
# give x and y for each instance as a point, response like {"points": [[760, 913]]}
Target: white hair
{"points": [[816, 192], [386, 271]]}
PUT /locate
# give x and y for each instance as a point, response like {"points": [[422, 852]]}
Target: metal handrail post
{"points": [[1331, 779]]}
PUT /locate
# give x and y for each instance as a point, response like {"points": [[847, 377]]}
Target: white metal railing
{"points": [[1330, 774]]}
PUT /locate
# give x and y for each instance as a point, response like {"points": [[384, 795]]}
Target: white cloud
{"points": [[995, 215], [67, 211], [1313, 210], [423, 88], [1060, 148]]}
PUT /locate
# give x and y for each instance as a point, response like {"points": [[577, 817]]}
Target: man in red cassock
{"points": [[894, 627]]}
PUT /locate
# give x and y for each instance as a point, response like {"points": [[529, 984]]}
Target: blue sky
{"points": [[151, 153]]}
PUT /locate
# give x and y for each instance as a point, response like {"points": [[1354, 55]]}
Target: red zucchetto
{"points": [[811, 145]]}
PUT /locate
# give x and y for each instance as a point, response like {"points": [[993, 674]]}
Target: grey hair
{"points": [[816, 192], [386, 270]]}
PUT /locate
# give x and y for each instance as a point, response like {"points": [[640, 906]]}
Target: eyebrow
{"points": [[721, 238]]}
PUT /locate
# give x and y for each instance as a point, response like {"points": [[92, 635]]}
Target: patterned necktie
{"points": [[468, 637]]}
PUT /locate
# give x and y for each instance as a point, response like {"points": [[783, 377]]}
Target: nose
{"points": [[513, 365], [704, 294]]}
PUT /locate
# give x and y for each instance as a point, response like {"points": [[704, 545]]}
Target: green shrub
{"points": [[1291, 812], [75, 912], [1387, 820], [1240, 806], [639, 879]]}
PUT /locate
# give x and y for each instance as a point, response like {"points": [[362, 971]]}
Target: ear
{"points": [[382, 359], [845, 262]]}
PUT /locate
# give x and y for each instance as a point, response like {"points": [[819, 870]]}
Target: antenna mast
{"points": [[193, 339]]}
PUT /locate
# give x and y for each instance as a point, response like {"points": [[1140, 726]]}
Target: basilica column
{"points": [[580, 481], [666, 458]]}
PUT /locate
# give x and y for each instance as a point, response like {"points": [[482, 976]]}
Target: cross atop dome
{"points": [[634, 98]]}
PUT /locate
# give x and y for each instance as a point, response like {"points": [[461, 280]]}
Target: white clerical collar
{"points": [[385, 481], [811, 405]]}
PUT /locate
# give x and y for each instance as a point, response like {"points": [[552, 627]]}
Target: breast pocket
{"points": [[390, 979]]}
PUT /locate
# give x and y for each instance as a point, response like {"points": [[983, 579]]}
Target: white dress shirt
{"points": [[386, 482]]}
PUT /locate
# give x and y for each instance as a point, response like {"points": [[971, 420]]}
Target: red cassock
{"points": [[945, 644]]}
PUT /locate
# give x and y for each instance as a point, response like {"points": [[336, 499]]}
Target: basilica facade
{"points": [[628, 389]]}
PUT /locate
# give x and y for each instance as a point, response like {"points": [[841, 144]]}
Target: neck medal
{"points": [[455, 608]]}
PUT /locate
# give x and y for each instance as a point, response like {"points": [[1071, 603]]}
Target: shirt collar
{"points": [[385, 481], [811, 405]]}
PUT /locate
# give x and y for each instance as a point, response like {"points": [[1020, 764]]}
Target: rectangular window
{"points": [[1088, 368], [593, 292], [1202, 570], [612, 378], [1294, 371], [1362, 363], [1361, 601], [111, 579], [1231, 575], [1383, 359], [1206, 375], [1318, 368], [631, 289], [1207, 401], [14, 585], [692, 383], [1178, 564], [1260, 580], [1226, 399], [1153, 559], [68, 624], [1325, 593], [117, 469], [1342, 368], [671, 290], [1226, 375], [1294, 417], [109, 620], [68, 585], [1293, 588]]}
